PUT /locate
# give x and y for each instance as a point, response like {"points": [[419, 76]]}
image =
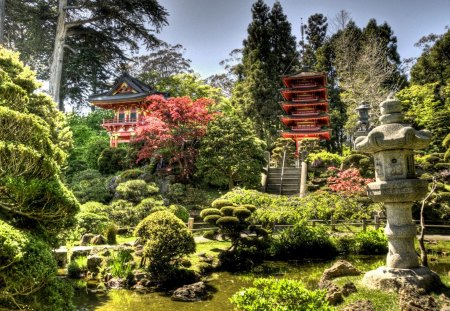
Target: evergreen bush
{"points": [[167, 240], [302, 241]]}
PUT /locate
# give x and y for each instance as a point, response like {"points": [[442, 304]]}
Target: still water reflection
{"points": [[226, 285]]}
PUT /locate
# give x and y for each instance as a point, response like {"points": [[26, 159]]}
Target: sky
{"points": [[210, 29]]}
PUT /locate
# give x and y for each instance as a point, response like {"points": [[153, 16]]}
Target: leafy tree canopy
{"points": [[231, 154], [34, 141]]}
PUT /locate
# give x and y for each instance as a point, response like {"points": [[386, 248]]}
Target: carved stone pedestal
{"points": [[391, 279]]}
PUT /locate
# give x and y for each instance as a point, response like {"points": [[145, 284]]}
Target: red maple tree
{"points": [[348, 182], [172, 130]]}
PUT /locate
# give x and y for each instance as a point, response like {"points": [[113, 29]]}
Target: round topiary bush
{"points": [[209, 211], [228, 221], [135, 190], [167, 241], [211, 219], [88, 222], [227, 210], [219, 203], [241, 213], [250, 207]]}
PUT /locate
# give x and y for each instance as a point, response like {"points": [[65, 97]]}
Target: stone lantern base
{"points": [[391, 279]]}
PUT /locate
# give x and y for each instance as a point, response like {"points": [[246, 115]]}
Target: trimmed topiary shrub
{"points": [[167, 240], [280, 294], [227, 210], [88, 222], [219, 203], [209, 211], [212, 219]]}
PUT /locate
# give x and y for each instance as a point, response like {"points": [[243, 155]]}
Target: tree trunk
{"points": [[230, 182], [58, 56], [423, 251], [2, 22]]}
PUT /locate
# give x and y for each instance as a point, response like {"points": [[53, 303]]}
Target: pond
{"points": [[226, 285]]}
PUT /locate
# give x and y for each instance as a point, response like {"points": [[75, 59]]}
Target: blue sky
{"points": [[210, 29]]}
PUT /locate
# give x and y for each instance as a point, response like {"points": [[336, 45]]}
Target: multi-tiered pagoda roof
{"points": [[126, 98], [306, 106]]}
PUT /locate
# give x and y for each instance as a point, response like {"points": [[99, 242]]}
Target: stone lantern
{"points": [[392, 145]]}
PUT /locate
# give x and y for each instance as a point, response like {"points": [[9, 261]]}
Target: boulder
{"points": [[94, 263], [98, 240], [360, 305], [191, 292], [349, 288], [412, 298], [334, 293], [116, 283], [86, 239], [338, 269]]}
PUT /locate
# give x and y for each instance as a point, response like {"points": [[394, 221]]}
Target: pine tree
{"points": [[269, 52], [316, 30]]}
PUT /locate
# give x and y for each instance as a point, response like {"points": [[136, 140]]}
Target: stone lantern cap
{"points": [[391, 134]]}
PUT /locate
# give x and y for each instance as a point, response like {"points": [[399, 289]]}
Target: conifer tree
{"points": [[269, 52]]}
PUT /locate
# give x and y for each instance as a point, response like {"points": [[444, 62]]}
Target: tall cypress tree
{"points": [[269, 52], [316, 30]]}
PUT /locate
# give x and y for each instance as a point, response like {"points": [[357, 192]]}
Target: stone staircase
{"points": [[288, 184]]}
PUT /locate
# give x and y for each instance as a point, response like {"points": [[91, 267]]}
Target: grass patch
{"points": [[125, 239], [381, 300], [212, 248]]}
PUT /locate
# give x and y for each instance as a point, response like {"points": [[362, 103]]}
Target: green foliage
{"points": [[211, 219], [274, 209], [301, 242], [94, 207], [209, 211], [230, 154], [120, 263], [227, 210], [135, 190], [111, 160], [77, 267], [27, 267], [280, 295], [167, 241], [433, 65], [34, 140], [121, 212], [89, 222], [179, 211], [428, 107], [361, 161], [219, 203], [268, 52], [325, 159], [90, 185], [111, 234], [134, 173], [371, 242]]}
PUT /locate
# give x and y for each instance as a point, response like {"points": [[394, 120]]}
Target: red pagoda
{"points": [[306, 106], [126, 98]]}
